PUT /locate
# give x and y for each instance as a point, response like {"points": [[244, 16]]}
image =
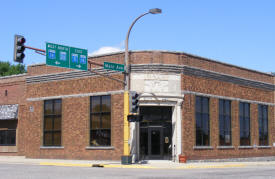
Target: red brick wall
{"points": [[15, 87], [75, 119], [214, 87], [162, 57], [16, 90], [44, 69], [75, 131]]}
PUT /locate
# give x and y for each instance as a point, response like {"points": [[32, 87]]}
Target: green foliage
{"points": [[7, 69]]}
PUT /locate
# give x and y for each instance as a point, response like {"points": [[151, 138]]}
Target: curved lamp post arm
{"points": [[129, 31], [126, 61]]}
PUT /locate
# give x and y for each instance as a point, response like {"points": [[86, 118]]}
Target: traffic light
{"points": [[134, 118], [134, 102], [19, 48]]}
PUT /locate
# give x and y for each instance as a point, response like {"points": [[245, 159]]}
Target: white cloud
{"points": [[104, 50]]}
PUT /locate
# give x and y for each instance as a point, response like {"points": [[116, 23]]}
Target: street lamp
{"points": [[126, 60], [127, 158]]}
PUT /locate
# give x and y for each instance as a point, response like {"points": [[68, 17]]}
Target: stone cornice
{"points": [[193, 71], [165, 68]]}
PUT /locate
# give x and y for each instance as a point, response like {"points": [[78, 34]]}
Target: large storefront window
{"points": [[202, 121], [225, 122], [52, 122], [244, 117], [263, 124], [100, 121]]}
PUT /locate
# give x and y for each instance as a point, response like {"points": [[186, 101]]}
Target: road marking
{"points": [[66, 164]]}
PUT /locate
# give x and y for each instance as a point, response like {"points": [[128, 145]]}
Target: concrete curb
{"points": [[117, 164], [65, 164], [149, 167]]}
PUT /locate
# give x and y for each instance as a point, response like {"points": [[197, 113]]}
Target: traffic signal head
{"points": [[134, 118], [19, 48], [134, 102]]}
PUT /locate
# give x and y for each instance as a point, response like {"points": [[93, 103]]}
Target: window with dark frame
{"points": [[202, 121], [8, 137], [244, 118], [263, 124], [52, 122], [100, 121], [225, 122]]}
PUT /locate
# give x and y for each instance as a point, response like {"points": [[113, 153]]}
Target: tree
{"points": [[7, 69]]}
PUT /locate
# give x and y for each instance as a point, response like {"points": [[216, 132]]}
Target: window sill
{"points": [[245, 147], [264, 147], [100, 148], [203, 147], [51, 147], [225, 147]]}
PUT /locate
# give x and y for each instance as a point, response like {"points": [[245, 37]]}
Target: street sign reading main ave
{"points": [[113, 66], [67, 57]]}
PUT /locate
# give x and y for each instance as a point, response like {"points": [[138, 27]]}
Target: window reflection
{"points": [[244, 118], [202, 121], [52, 122], [100, 121]]}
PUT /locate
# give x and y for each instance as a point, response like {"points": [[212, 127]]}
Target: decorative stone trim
{"points": [[100, 148], [264, 147], [203, 147], [225, 147], [193, 71], [245, 147], [51, 147], [228, 98], [67, 75], [76, 95]]}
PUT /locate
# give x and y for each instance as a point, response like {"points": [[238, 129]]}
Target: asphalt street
{"points": [[14, 171]]}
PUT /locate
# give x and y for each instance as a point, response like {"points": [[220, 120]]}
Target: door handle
{"points": [[166, 140]]}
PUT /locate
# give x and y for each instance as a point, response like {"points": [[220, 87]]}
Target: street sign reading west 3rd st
{"points": [[113, 66], [67, 57]]}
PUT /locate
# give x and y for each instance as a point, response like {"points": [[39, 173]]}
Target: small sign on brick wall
{"points": [[31, 109]]}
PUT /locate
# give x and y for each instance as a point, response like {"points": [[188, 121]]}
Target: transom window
{"points": [[100, 121], [225, 122], [263, 124], [244, 117], [202, 121], [52, 122]]}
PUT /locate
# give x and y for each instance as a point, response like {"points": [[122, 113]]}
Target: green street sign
{"points": [[57, 55], [66, 57], [78, 58], [113, 66]]}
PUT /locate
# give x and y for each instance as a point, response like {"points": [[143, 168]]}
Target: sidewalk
{"points": [[151, 164]]}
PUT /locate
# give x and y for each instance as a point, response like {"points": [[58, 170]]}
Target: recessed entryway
{"points": [[156, 133]]}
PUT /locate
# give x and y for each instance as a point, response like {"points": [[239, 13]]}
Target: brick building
{"points": [[191, 106]]}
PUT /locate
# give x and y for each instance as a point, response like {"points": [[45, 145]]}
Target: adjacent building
{"points": [[191, 106]]}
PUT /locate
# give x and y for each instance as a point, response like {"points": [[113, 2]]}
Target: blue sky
{"points": [[238, 32]]}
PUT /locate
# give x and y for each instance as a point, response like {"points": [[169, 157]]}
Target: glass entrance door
{"points": [[155, 142], [156, 133]]}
